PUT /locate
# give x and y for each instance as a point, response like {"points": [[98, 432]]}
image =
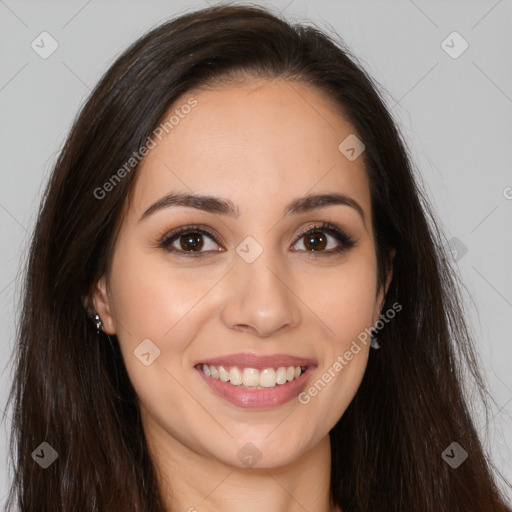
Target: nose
{"points": [[260, 297]]}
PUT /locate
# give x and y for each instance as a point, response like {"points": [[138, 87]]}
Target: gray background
{"points": [[455, 115]]}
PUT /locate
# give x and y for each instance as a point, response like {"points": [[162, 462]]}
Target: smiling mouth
{"points": [[252, 378]]}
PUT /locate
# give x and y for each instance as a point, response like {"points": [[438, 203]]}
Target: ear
{"points": [[101, 304], [389, 275]]}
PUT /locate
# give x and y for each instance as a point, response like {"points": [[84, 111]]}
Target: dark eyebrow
{"points": [[312, 202], [209, 204], [223, 206]]}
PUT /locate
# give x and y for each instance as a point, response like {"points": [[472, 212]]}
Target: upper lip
{"points": [[259, 362]]}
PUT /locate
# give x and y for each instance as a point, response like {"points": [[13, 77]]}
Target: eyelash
{"points": [[346, 242]]}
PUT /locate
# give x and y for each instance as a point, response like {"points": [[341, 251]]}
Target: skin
{"points": [[260, 144]]}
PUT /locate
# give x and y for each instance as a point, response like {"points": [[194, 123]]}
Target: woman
{"points": [[236, 295]]}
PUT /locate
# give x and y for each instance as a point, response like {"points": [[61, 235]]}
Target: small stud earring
{"points": [[97, 322], [373, 337]]}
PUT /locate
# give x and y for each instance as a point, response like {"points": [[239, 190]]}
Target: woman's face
{"points": [[244, 283]]}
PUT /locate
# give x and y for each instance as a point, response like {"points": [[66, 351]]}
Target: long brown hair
{"points": [[71, 388]]}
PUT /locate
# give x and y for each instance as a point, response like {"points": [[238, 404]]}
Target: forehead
{"points": [[261, 143]]}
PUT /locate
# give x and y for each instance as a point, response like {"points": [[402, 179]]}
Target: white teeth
{"points": [[268, 378], [281, 375], [223, 374], [235, 376], [253, 378]]}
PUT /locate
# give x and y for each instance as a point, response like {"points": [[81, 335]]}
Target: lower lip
{"points": [[257, 398]]}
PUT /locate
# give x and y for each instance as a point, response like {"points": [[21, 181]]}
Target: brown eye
{"points": [[191, 242], [196, 241], [315, 241]]}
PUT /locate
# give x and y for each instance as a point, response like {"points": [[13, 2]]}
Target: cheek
{"points": [[346, 306], [345, 299], [150, 298], [153, 301]]}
